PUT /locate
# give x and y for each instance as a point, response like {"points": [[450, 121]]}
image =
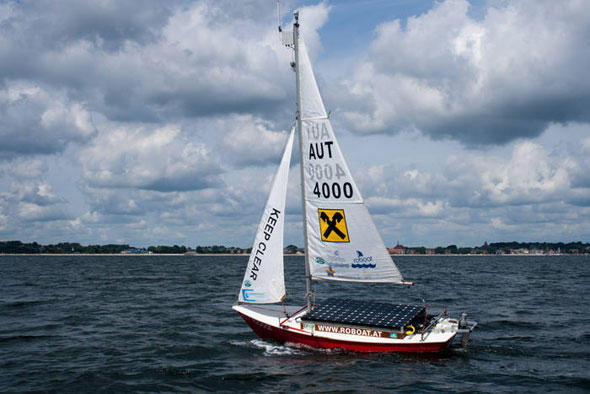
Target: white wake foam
{"points": [[270, 349]]}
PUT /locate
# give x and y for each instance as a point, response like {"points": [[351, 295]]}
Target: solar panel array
{"points": [[364, 313]]}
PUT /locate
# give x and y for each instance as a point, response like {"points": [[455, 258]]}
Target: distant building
{"points": [[398, 249], [134, 251], [519, 251]]}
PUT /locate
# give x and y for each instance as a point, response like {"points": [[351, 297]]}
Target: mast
{"points": [[308, 289]]}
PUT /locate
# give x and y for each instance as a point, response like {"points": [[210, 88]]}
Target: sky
{"points": [[462, 122]]}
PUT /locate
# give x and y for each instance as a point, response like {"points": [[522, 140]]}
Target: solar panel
{"points": [[364, 313]]}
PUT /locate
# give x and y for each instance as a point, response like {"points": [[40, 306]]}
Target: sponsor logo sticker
{"points": [[333, 225], [331, 265], [330, 271], [362, 261], [250, 295], [337, 257]]}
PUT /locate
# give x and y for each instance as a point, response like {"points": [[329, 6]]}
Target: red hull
{"points": [[265, 331]]}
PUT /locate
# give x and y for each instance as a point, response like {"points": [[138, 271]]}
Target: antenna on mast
{"points": [[286, 36], [279, 14]]}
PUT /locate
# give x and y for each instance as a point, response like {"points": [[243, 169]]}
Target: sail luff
{"points": [[264, 281]]}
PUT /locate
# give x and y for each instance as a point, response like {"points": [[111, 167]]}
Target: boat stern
{"points": [[445, 324], [464, 328]]}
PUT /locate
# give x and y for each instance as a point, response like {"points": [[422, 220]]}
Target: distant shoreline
{"points": [[246, 255]]}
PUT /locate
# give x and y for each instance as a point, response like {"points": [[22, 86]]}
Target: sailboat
{"points": [[341, 244]]}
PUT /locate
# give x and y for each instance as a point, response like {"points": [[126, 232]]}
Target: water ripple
{"points": [[132, 323]]}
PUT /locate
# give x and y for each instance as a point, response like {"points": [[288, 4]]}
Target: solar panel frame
{"points": [[364, 313]]}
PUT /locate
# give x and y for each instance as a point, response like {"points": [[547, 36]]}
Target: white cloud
{"points": [[190, 61], [151, 158], [192, 100], [249, 140], [34, 120], [160, 83], [24, 167], [3, 220], [31, 202], [312, 18], [407, 208], [484, 81], [111, 202], [530, 190], [498, 224], [32, 212], [532, 174]]}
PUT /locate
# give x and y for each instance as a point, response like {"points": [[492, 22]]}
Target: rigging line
{"points": [[284, 307], [420, 294]]}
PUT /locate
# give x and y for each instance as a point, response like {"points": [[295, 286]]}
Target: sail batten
{"points": [[343, 243], [315, 118], [264, 281]]}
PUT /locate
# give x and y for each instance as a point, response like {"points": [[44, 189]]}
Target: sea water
{"points": [[165, 323]]}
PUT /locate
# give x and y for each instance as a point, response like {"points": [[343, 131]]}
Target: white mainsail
{"points": [[264, 278], [342, 240]]}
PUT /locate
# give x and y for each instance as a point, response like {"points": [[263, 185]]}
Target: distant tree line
{"points": [[18, 247], [214, 249], [221, 249], [504, 247], [10, 247], [291, 249], [163, 249], [570, 247]]}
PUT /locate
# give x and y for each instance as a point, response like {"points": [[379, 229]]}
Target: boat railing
{"points": [[293, 315], [426, 329]]}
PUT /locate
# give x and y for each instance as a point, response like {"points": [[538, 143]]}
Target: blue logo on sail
{"points": [[337, 257], [319, 260], [331, 261], [249, 295], [362, 261]]}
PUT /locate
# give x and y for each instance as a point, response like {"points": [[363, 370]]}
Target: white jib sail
{"points": [[264, 281], [343, 242]]}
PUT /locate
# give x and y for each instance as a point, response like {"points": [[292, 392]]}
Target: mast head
{"points": [[296, 16]]}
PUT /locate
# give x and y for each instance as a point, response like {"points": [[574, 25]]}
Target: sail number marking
{"points": [[320, 151], [333, 190], [325, 171]]}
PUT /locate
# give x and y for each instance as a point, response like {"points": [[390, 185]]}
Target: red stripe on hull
{"points": [[265, 331]]}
